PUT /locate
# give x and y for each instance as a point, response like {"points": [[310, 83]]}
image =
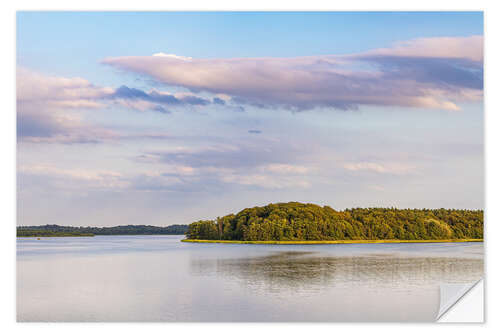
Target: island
{"points": [[54, 230], [305, 223]]}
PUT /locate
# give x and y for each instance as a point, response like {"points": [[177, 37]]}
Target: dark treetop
{"points": [[298, 221]]}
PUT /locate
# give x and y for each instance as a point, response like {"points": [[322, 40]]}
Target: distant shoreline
{"points": [[49, 236], [355, 241], [54, 230], [92, 235]]}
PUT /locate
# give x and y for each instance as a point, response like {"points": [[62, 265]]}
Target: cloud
{"points": [[155, 96], [168, 178], [161, 109], [254, 131], [76, 178], [233, 156], [385, 168], [266, 181], [48, 107], [217, 166], [280, 168], [271, 176], [154, 100], [161, 54], [219, 101], [432, 73], [437, 47], [33, 87]]}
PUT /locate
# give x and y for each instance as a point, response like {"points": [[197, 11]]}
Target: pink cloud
{"points": [[432, 73]]}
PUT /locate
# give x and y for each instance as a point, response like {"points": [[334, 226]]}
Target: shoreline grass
{"points": [[354, 241]]}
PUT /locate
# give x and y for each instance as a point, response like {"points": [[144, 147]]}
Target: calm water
{"points": [[159, 278]]}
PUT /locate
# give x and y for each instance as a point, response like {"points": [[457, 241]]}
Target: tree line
{"points": [[47, 233], [297, 221], [57, 230]]}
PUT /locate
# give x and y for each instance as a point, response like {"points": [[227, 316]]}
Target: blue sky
{"points": [[242, 109], [69, 43]]}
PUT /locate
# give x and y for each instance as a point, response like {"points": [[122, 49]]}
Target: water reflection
{"points": [[147, 278], [312, 271]]}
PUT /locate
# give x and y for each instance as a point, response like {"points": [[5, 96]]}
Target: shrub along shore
{"points": [[359, 241]]}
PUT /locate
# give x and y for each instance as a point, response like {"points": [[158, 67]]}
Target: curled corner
{"points": [[451, 295]]}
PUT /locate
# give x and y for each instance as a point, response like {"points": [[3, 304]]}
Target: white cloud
{"points": [[165, 55], [285, 168], [76, 178], [388, 168], [264, 180]]}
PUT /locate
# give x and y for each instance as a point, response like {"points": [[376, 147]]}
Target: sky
{"points": [[171, 117]]}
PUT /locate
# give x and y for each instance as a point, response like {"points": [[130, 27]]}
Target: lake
{"points": [[159, 278]]}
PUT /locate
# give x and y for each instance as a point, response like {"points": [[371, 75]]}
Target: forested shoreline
{"points": [[54, 230], [296, 221]]}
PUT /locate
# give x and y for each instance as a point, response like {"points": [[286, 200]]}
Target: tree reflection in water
{"points": [[313, 271]]}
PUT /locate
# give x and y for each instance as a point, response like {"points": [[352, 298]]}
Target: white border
{"points": [[7, 114]]}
